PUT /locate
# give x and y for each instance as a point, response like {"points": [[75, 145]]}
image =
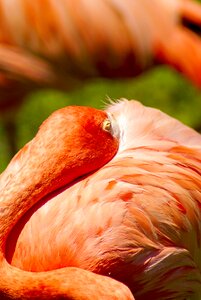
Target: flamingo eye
{"points": [[107, 126], [110, 125]]}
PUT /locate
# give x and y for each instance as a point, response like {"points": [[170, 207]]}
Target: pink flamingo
{"points": [[60, 43], [100, 195]]}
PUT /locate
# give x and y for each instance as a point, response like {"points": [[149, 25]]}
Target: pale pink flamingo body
{"points": [[136, 219]]}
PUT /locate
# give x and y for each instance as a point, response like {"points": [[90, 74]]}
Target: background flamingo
{"points": [[136, 219], [70, 41]]}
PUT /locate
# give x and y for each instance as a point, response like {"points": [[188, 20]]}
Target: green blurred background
{"points": [[161, 87]]}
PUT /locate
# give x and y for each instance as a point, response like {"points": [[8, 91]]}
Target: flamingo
{"points": [[60, 43], [103, 205]]}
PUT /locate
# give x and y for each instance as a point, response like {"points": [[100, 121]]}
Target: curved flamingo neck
{"points": [[55, 157]]}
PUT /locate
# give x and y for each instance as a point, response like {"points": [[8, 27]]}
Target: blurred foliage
{"points": [[4, 149], [161, 88]]}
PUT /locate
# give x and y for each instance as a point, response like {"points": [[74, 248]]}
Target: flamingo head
{"points": [[81, 139], [72, 142]]}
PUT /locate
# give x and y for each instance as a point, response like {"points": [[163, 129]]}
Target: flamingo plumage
{"points": [[134, 218], [60, 43]]}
